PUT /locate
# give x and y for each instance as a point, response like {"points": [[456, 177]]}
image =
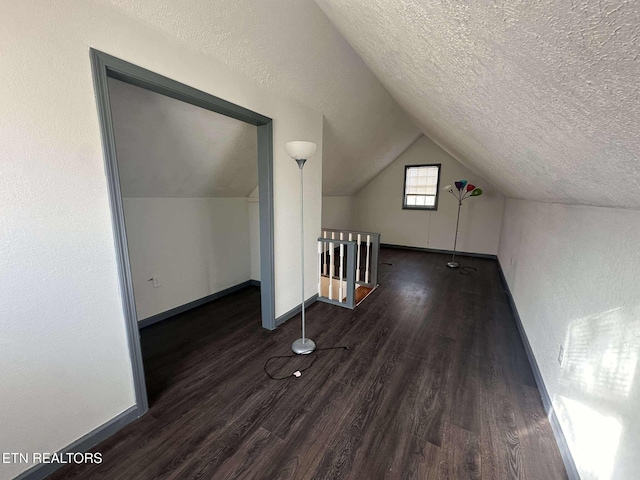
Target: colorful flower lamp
{"points": [[464, 191]]}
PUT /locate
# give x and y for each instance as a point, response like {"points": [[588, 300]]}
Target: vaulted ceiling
{"points": [[291, 47], [542, 98], [169, 148]]}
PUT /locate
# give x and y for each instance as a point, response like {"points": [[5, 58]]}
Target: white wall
{"points": [[572, 271], [378, 207], [195, 246], [65, 363], [337, 212], [168, 148]]}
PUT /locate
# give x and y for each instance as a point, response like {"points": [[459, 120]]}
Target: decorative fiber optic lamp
{"points": [[300, 152], [464, 191]]}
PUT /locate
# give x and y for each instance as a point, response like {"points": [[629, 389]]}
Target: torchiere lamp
{"points": [[464, 191], [300, 152]]}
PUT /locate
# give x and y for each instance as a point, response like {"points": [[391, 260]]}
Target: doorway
{"points": [[110, 69]]}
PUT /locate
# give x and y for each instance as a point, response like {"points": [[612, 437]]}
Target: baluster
{"points": [[333, 266], [341, 293], [347, 274], [320, 250], [358, 259], [366, 273], [341, 264], [324, 245], [331, 271]]}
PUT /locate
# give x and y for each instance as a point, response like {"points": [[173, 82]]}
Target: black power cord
{"points": [[299, 371], [467, 270]]}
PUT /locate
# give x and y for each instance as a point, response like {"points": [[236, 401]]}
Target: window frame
{"points": [[404, 188]]}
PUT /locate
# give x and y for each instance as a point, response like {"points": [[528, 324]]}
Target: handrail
{"points": [[349, 231]]}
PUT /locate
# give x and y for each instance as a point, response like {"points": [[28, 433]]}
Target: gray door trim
{"points": [[265, 207], [103, 66]]}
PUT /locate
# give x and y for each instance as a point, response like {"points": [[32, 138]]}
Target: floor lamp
{"points": [[464, 191], [300, 152]]}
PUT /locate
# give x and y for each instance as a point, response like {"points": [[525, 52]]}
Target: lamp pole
{"points": [[300, 152], [453, 263]]}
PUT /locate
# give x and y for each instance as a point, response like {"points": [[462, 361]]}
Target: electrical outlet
{"points": [[561, 355], [156, 282], [511, 261]]}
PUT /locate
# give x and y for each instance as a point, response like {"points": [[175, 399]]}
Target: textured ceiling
{"points": [[539, 97], [291, 47], [168, 148]]}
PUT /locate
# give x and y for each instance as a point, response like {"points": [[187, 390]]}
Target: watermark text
{"points": [[47, 457]]}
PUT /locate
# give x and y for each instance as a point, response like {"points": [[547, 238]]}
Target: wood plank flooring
{"points": [[361, 293], [435, 385]]}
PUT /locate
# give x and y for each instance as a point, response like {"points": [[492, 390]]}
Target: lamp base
{"points": [[453, 264], [303, 346]]}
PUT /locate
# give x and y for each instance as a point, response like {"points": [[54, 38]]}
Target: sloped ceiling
{"points": [[168, 148], [290, 46], [542, 98]]}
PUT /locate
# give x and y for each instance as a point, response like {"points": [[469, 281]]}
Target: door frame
{"points": [[104, 66]]}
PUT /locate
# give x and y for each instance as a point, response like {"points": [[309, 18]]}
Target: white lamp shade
{"points": [[300, 150]]}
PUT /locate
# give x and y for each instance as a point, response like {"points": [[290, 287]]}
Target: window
{"points": [[421, 187]]}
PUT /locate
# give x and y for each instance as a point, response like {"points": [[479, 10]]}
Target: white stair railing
{"points": [[347, 260], [367, 253], [337, 287]]}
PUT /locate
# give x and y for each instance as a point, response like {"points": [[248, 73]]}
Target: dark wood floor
{"points": [[435, 384]]}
